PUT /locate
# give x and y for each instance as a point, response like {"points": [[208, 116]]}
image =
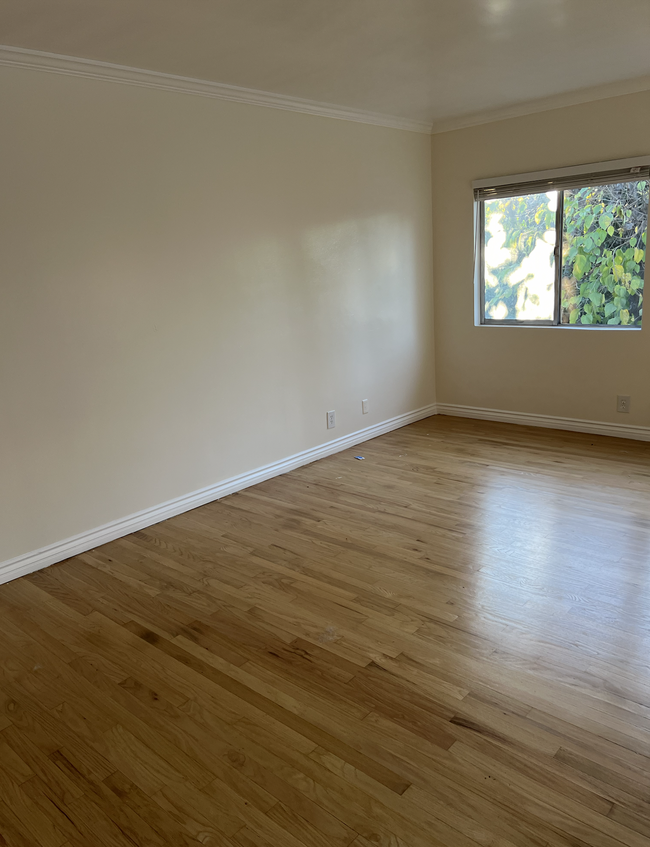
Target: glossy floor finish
{"points": [[445, 643]]}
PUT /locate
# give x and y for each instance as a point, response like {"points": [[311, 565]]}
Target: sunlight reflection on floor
{"points": [[536, 535]]}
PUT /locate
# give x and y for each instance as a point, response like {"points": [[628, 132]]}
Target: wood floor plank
{"points": [[445, 645]]}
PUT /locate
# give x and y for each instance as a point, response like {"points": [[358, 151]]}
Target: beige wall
{"points": [[550, 371], [187, 286]]}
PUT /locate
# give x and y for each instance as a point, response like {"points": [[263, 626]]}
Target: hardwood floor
{"points": [[446, 643]]}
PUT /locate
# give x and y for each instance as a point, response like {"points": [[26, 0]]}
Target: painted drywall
{"points": [[570, 373], [187, 287]]}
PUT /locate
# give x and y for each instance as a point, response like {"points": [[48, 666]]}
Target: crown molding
{"points": [[19, 57], [36, 60], [545, 104]]}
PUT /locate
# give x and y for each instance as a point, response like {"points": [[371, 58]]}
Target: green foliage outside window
{"points": [[603, 257], [604, 239], [517, 228]]}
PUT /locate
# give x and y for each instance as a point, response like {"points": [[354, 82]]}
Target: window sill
{"points": [[579, 327]]}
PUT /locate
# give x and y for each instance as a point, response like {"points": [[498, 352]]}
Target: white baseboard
{"points": [[57, 552], [638, 433]]}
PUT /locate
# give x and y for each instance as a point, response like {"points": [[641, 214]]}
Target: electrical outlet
{"points": [[331, 420], [623, 403], [364, 407]]}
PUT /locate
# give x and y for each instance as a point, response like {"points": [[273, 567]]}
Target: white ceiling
{"points": [[427, 60]]}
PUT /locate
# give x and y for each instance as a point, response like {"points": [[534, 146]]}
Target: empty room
{"points": [[324, 423]]}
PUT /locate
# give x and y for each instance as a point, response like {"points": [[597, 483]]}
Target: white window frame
{"points": [[618, 170]]}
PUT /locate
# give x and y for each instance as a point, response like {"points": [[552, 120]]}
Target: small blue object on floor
{"points": [[359, 457]]}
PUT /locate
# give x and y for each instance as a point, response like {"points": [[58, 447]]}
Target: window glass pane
{"points": [[603, 254], [519, 258]]}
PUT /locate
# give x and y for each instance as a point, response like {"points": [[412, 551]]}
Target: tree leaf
{"points": [[580, 265]]}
